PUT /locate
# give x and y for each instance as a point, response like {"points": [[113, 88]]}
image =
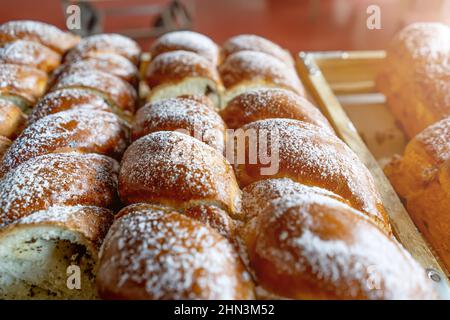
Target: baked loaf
{"points": [[23, 82], [119, 94], [267, 103], [309, 155], [246, 70], [184, 115], [40, 32], [12, 119], [37, 252], [304, 244], [154, 253], [421, 177], [251, 42], [175, 169], [415, 77], [186, 41], [30, 54], [176, 73], [106, 62], [100, 44], [57, 179], [73, 130], [68, 99]]}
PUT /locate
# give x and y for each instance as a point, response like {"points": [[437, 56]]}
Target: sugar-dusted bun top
{"points": [[256, 196], [26, 82], [187, 41], [175, 169], [266, 103], [119, 92], [174, 66], [106, 62], [57, 179], [31, 54], [78, 130], [106, 43], [255, 43], [191, 117], [41, 32], [309, 155], [68, 99], [310, 246], [247, 67], [155, 254]]}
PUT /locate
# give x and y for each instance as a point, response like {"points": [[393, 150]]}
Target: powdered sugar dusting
{"points": [[27, 53], [436, 140], [175, 258]]}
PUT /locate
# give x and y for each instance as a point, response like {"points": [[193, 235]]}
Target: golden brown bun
{"points": [[57, 179], [422, 178], [12, 119], [106, 44], [26, 82], [310, 246], [257, 196], [175, 169], [187, 41], [117, 91], [253, 42], [184, 115], [309, 155], [74, 130], [107, 62], [199, 98], [252, 68], [5, 143], [40, 32], [30, 54], [155, 254], [266, 103], [68, 99], [415, 76], [174, 66]]}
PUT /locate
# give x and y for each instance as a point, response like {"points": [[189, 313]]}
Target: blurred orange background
{"points": [[294, 24]]}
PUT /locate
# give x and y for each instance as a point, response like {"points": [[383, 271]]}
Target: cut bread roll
{"points": [[177, 73], [39, 253]]}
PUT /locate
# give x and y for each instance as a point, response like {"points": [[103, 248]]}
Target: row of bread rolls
{"points": [[58, 184], [316, 229], [416, 81]]}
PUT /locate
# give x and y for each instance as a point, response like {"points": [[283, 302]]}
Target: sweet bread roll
{"points": [[183, 115], [5, 143], [57, 179], [246, 70], [109, 63], [68, 99], [43, 33], [155, 254], [187, 41], [30, 54], [119, 94], [310, 246], [12, 119], [256, 196], [22, 81], [73, 130], [421, 178], [309, 155], [176, 73], [100, 44], [37, 251], [415, 76], [251, 42], [175, 169], [266, 103]]}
